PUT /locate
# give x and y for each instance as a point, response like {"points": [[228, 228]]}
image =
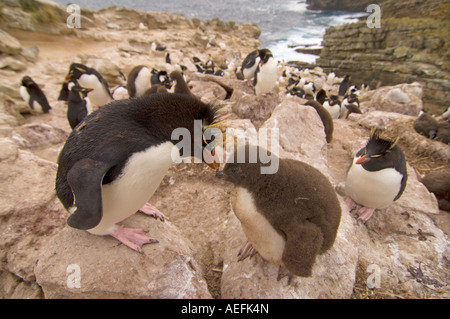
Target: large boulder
{"points": [[9, 44]]}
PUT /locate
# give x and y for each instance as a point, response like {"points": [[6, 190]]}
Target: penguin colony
{"points": [[108, 172]]}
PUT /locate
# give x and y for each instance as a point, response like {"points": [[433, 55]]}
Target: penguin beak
{"points": [[67, 77], [363, 159], [89, 90], [212, 159]]}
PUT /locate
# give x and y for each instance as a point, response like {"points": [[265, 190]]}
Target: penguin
{"points": [[161, 77], [138, 81], [266, 74], [348, 107], [344, 85], [438, 183], [333, 106], [32, 94], [443, 132], [377, 176], [108, 172], [120, 93], [90, 78], [167, 58], [181, 86], [77, 104], [426, 125], [64, 92], [288, 217], [326, 118], [309, 88], [249, 66], [321, 96]]}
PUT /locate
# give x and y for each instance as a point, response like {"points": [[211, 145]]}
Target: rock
{"points": [[9, 149], [207, 91], [400, 99], [9, 44], [107, 269], [12, 64], [31, 53], [256, 108]]}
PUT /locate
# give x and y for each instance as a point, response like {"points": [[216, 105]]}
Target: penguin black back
{"points": [[344, 85], [76, 106], [138, 124]]}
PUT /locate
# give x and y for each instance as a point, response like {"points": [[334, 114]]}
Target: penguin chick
{"points": [[180, 84], [77, 108], [266, 74], [377, 176], [138, 81], [443, 132], [288, 217], [249, 66], [426, 125], [326, 118], [32, 95], [438, 183], [91, 78], [108, 172]]}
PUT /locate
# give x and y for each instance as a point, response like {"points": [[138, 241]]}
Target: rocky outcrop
{"points": [[401, 51], [339, 5]]}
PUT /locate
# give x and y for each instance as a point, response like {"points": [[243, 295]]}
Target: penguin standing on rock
{"points": [[333, 106], [249, 66], [344, 85], [32, 94], [138, 81], [289, 217], [90, 78], [77, 104], [108, 172], [266, 74], [377, 176]]}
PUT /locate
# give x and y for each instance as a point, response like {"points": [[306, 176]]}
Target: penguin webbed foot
{"points": [[247, 250], [133, 238], [365, 213], [151, 210], [284, 272], [351, 204]]}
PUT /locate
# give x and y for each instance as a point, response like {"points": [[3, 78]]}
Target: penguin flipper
{"points": [[85, 180], [302, 248]]}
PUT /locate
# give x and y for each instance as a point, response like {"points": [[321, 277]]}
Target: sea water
{"points": [[283, 23]]}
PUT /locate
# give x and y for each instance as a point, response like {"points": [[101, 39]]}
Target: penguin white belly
{"points": [[25, 95], [372, 189], [250, 72], [138, 181], [260, 233], [142, 82], [334, 110], [266, 77], [99, 96]]}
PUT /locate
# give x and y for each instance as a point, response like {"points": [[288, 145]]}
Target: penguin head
{"points": [[265, 55], [334, 99], [81, 91], [376, 149], [28, 81], [352, 98], [76, 70]]}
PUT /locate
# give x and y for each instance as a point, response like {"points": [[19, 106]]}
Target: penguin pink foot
{"points": [[284, 272], [150, 210], [350, 203], [133, 238], [365, 213], [246, 251]]}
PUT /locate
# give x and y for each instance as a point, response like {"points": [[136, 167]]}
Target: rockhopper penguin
{"points": [[289, 217], [249, 66], [108, 172], [377, 176], [77, 104], [266, 74], [32, 94], [90, 78]]}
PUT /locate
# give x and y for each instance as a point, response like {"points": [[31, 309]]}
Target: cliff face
{"points": [[339, 5], [402, 50]]}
